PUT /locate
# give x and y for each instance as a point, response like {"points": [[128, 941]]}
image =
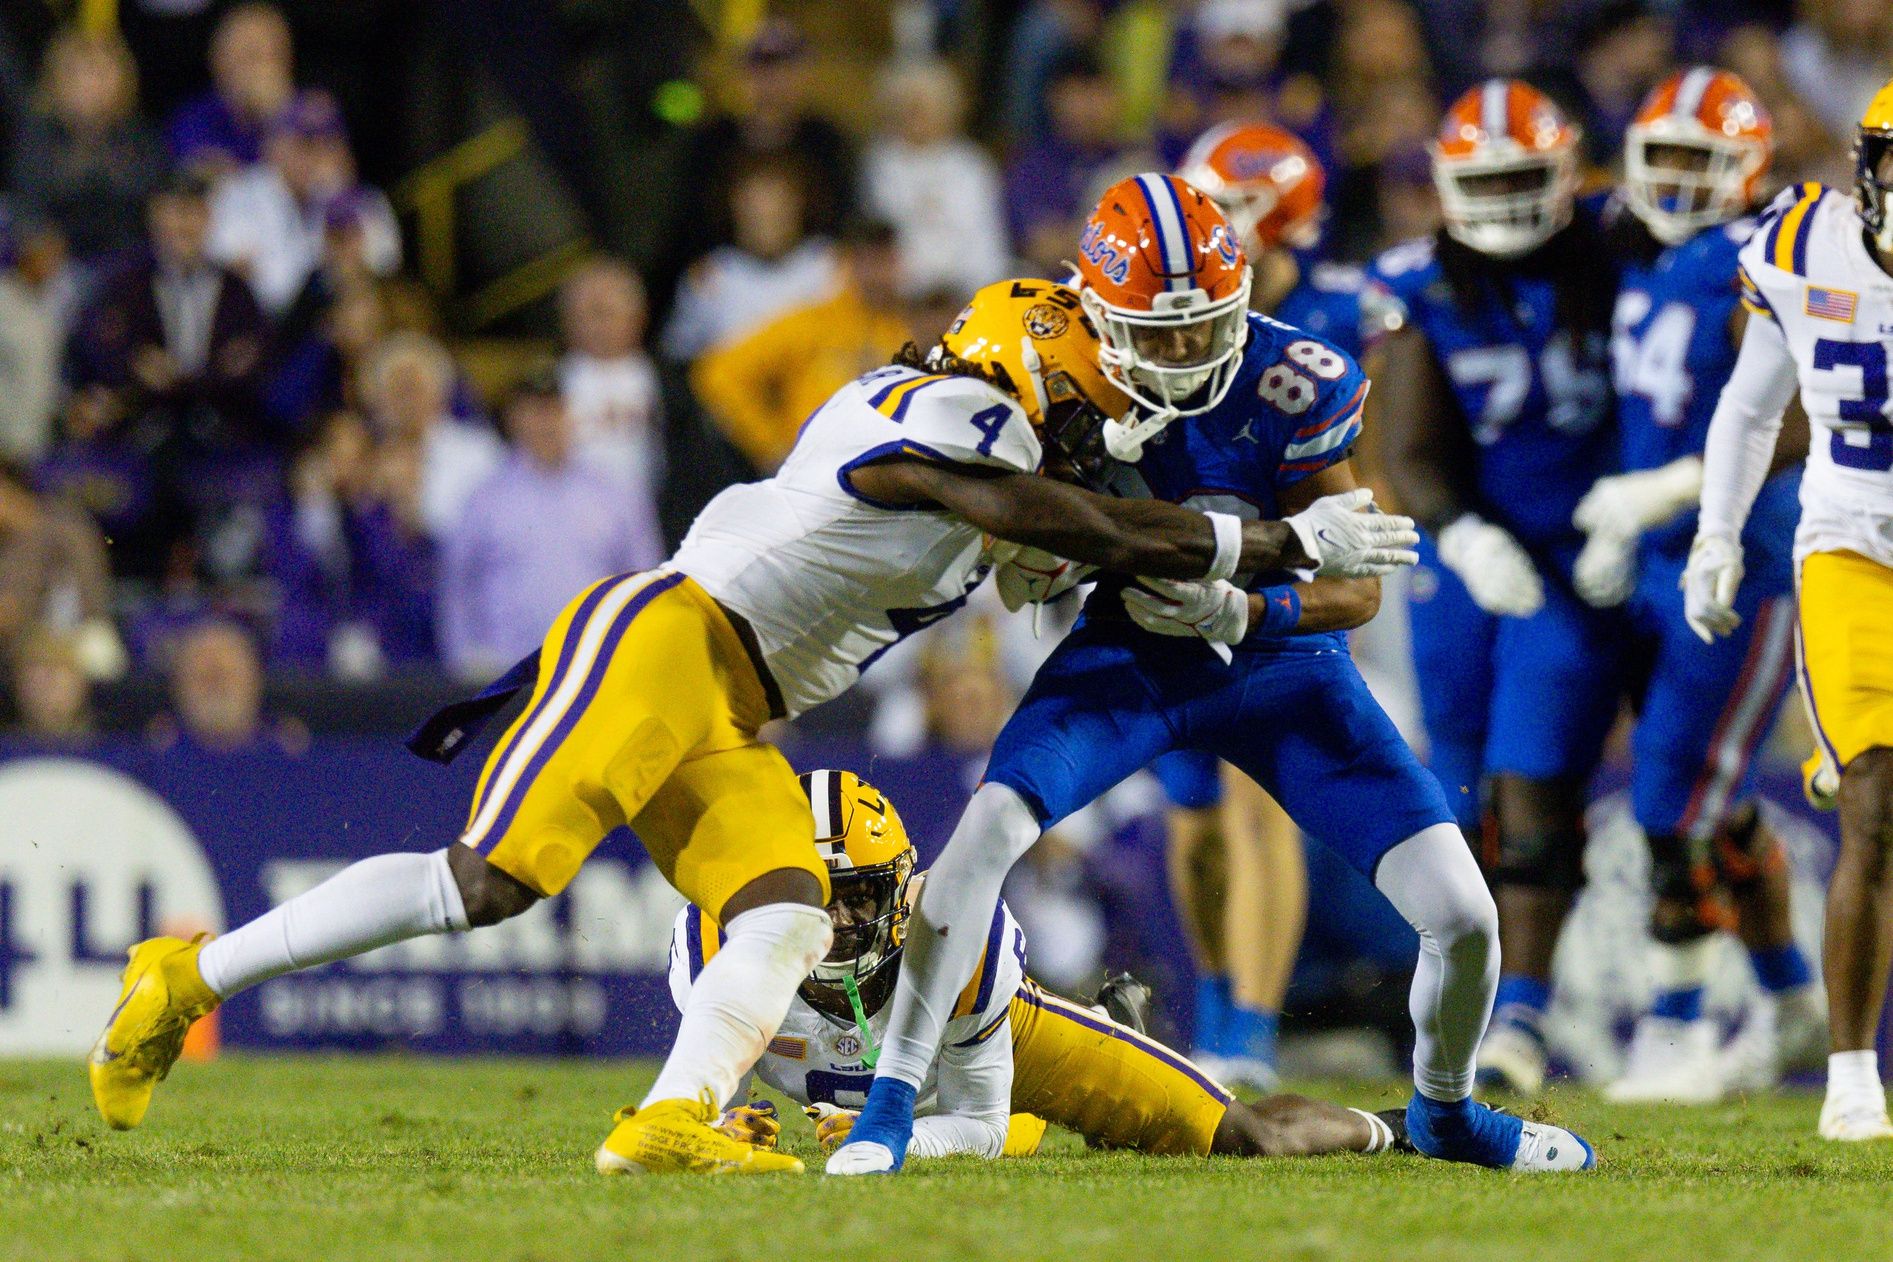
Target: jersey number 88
{"points": [[1286, 384]]}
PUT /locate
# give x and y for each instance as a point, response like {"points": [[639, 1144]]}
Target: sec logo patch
{"points": [[848, 1045], [1043, 320]]}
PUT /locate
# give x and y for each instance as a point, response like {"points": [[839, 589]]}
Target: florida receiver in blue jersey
{"points": [[1496, 419], [1250, 416], [1694, 161]]}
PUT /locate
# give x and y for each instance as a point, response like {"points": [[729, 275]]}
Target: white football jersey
{"points": [[817, 1059], [829, 578], [1809, 270]]}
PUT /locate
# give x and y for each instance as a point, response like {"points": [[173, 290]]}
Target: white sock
{"points": [[1432, 880], [1854, 1074], [389, 898], [948, 931], [737, 1003]]}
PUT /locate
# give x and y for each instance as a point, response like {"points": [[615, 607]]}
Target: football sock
{"points": [[1781, 968], [1854, 1074], [1522, 1000], [1212, 1011], [739, 999], [948, 930], [1681, 1004], [1432, 879], [388, 898], [1250, 1033]]}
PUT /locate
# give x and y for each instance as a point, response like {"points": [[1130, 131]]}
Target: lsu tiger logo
{"points": [[1043, 320]]}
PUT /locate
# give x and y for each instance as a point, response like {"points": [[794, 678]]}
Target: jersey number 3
{"points": [[1867, 408]]}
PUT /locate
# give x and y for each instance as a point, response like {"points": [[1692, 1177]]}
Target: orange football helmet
{"points": [[1505, 164], [1696, 153], [1162, 274], [1266, 181]]}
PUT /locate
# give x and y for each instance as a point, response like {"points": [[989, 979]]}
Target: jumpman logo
{"points": [[1247, 433]]}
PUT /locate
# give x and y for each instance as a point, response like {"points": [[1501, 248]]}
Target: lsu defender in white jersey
{"points": [[1014, 1058], [830, 577], [1818, 281]]}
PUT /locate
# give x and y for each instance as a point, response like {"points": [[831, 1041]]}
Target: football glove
{"points": [[1217, 612], [1347, 537], [1710, 581], [1032, 576], [832, 1124], [1606, 569], [754, 1124], [1631, 503], [1496, 570]]}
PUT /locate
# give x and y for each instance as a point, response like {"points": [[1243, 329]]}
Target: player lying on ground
{"points": [[650, 688], [1693, 162], [1015, 1057], [1817, 279], [1236, 410]]}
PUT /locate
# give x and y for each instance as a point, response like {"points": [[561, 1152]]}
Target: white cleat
{"points": [[1782, 1034], [1855, 1119], [1547, 1149], [860, 1158], [1672, 1062], [1512, 1058]]}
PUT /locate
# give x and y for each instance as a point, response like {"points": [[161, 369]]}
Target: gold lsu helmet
{"points": [[1873, 166], [870, 862], [1033, 340]]}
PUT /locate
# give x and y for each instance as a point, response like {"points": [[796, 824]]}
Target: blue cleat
{"points": [[877, 1144], [1465, 1130]]}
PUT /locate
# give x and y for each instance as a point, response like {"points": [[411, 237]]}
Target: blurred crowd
{"points": [[233, 426]]}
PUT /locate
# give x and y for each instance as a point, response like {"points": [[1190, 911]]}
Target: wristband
{"points": [[1228, 528], [1281, 610]]}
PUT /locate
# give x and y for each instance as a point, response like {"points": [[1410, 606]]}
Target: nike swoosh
{"points": [[1326, 538]]}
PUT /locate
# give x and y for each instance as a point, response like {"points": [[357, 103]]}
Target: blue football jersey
{"points": [[1327, 303], [1671, 353], [1293, 410], [1536, 396]]}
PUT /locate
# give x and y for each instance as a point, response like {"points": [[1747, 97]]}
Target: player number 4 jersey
{"points": [[1808, 269], [828, 577]]}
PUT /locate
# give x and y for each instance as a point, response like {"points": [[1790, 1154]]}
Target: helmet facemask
{"points": [[1873, 182], [1682, 178], [869, 910], [1178, 359], [1507, 205]]}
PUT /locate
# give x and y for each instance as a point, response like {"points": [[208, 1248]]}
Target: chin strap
{"points": [[871, 1051], [1125, 440]]}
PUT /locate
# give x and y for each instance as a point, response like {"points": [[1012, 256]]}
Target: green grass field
{"points": [[333, 1160]]}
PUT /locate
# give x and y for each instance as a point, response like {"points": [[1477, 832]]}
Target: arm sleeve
{"points": [[975, 1099], [1742, 433]]}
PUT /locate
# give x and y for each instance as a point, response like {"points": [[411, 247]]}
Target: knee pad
{"points": [[1745, 852], [1548, 859], [1688, 904]]}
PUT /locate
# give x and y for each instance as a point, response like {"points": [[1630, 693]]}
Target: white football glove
{"points": [[1349, 538], [1710, 581], [1631, 503], [1606, 570], [1032, 576], [1497, 572], [1217, 612]]}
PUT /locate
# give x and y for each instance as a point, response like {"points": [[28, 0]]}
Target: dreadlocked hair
{"points": [[939, 359], [1575, 260]]}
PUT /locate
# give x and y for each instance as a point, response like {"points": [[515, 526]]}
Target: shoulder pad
{"points": [[1781, 238]]}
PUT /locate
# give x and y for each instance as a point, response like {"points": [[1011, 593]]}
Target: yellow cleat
{"points": [[680, 1137], [163, 994]]}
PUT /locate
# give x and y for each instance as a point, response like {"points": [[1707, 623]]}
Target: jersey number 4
{"points": [[1867, 408]]}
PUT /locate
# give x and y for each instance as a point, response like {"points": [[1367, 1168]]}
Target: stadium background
{"points": [[252, 529]]}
